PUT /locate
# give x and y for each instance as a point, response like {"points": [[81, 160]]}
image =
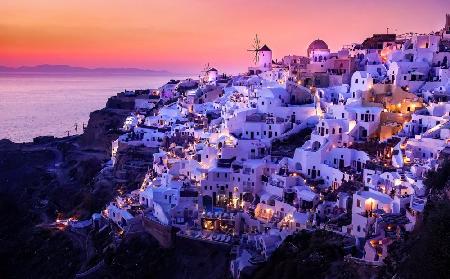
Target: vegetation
{"points": [[287, 146], [426, 251], [27, 250], [307, 255], [140, 256]]}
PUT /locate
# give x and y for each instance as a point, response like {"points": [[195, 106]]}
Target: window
{"points": [[356, 80], [358, 203]]}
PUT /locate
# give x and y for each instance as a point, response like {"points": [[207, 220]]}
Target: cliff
{"points": [[50, 178], [60, 178]]}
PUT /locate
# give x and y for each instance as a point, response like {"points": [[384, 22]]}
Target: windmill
{"points": [[205, 71], [256, 48], [206, 68]]}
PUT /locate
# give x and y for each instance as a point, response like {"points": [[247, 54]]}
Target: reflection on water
{"points": [[32, 106]]}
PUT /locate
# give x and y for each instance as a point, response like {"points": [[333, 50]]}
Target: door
{"points": [[341, 163], [214, 198]]}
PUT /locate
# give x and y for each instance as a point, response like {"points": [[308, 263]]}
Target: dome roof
{"points": [[317, 44]]}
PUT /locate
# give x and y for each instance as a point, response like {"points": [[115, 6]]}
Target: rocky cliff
{"points": [[60, 178]]}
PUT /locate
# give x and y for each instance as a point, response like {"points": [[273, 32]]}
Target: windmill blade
{"points": [[257, 42], [256, 56], [256, 47], [206, 68]]}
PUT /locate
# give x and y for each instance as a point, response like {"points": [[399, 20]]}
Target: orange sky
{"points": [[181, 35]]}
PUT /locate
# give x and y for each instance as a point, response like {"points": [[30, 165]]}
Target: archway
{"points": [[315, 146], [207, 203]]}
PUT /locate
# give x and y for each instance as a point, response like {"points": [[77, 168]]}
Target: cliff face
{"points": [[53, 178], [103, 124]]}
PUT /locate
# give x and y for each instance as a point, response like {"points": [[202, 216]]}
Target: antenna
{"points": [[256, 48]]}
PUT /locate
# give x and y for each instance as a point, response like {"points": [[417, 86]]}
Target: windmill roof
{"points": [[212, 69], [265, 48]]}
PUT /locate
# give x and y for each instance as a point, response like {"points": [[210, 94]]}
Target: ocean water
{"points": [[32, 106]]}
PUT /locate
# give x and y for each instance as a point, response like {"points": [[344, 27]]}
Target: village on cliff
{"points": [[338, 141]]}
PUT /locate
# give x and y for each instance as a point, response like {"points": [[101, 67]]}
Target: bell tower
{"points": [[446, 33]]}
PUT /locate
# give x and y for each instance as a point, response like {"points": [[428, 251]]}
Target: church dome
{"points": [[317, 44]]}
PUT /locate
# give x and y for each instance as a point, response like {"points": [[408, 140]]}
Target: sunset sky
{"points": [[181, 35]]}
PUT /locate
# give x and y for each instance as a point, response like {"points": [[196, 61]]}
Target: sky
{"points": [[183, 35]]}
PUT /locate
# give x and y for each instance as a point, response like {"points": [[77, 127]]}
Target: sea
{"points": [[41, 105]]}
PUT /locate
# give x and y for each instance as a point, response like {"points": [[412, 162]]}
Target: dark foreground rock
{"points": [[52, 178], [59, 178]]}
